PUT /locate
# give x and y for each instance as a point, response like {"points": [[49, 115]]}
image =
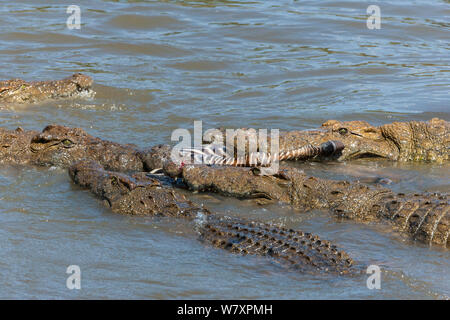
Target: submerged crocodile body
{"points": [[19, 91], [425, 217], [139, 194], [399, 141]]}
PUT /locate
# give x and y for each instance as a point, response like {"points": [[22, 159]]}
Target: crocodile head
{"points": [[361, 140], [60, 146], [73, 86], [402, 141], [14, 146], [136, 194], [20, 91], [82, 81]]}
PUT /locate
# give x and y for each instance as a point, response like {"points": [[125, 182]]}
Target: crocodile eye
{"points": [[343, 131], [67, 143]]}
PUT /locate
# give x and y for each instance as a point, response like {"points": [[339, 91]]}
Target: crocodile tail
{"points": [[296, 249], [424, 216]]}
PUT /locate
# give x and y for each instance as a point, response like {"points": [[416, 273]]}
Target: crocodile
{"points": [[398, 141], [18, 91], [62, 146], [59, 145], [139, 194], [424, 217]]}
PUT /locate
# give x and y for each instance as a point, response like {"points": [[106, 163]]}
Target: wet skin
{"points": [[399, 141], [139, 194], [18, 91], [61, 146], [424, 217]]}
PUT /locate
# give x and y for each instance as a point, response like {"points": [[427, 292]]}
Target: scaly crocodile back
{"points": [[302, 251], [425, 216], [141, 195]]}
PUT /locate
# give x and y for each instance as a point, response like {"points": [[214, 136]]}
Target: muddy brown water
{"points": [[160, 65]]}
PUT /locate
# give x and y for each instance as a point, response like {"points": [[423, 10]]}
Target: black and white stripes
{"points": [[212, 154]]}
